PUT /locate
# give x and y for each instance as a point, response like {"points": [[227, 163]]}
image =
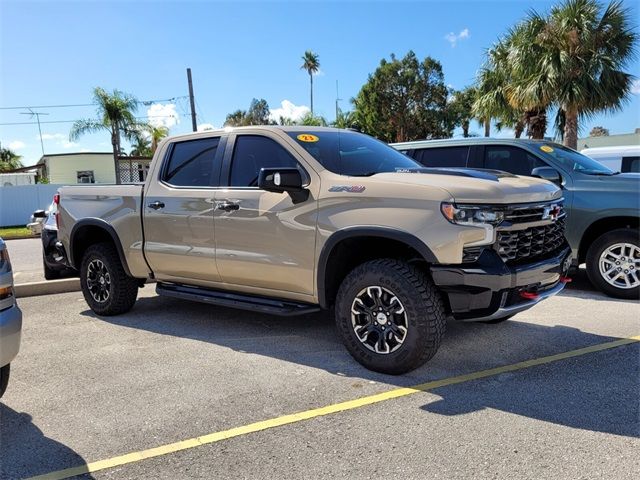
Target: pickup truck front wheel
{"points": [[390, 316], [613, 263], [106, 287]]}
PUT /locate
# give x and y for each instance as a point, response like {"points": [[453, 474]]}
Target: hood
{"points": [[627, 183], [478, 186]]}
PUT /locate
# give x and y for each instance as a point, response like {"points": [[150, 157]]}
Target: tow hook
{"points": [[529, 295], [566, 279]]}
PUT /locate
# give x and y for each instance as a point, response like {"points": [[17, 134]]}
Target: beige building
{"points": [[616, 140], [91, 167]]}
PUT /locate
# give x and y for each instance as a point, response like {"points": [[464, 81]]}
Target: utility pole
{"points": [[337, 100], [37, 115], [194, 125]]}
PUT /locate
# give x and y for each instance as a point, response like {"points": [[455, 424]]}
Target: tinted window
{"points": [[572, 160], [252, 153], [351, 153], [510, 159], [191, 163], [443, 157], [630, 164]]}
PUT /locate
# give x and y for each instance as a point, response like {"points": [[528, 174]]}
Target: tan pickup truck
{"points": [[291, 220]]}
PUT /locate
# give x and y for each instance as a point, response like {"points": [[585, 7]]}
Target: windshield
{"points": [[573, 160], [351, 153]]}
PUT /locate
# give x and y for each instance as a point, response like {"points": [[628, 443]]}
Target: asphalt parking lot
{"points": [[118, 393]]}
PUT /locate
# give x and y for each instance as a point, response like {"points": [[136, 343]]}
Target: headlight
{"points": [[471, 214]]}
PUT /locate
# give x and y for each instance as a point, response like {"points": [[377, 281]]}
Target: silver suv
{"points": [[10, 318]]}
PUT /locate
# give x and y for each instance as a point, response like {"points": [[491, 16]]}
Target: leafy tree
{"points": [[258, 114], [116, 114], [404, 99], [310, 63], [461, 108], [9, 160], [599, 132]]}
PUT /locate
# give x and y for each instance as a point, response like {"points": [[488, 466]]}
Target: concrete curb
{"points": [[34, 289]]}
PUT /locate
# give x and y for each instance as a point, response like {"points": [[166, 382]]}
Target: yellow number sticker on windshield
{"points": [[307, 137], [546, 148]]}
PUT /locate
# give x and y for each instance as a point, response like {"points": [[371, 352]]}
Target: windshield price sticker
{"points": [[307, 137], [546, 148]]}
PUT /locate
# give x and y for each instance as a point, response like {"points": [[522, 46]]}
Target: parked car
{"points": [[619, 159], [291, 220], [37, 220], [603, 207], [10, 318], [52, 260]]}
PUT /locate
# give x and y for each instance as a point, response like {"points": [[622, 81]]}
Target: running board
{"points": [[235, 300]]}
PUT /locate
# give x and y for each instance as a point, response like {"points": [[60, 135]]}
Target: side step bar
{"points": [[236, 300]]}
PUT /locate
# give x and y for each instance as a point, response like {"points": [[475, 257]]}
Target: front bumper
{"points": [[10, 333], [489, 289]]}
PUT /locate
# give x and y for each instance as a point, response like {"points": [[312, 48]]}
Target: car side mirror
{"points": [[280, 180], [547, 173], [39, 214]]}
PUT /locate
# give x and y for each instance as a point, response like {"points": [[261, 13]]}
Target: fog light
{"points": [[6, 292]]}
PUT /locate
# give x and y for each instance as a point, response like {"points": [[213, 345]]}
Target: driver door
{"points": [[264, 240]]}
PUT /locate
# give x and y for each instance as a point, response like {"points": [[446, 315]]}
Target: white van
{"points": [[619, 159]]}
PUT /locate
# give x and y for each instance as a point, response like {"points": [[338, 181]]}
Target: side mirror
{"points": [[280, 180], [547, 173], [39, 214]]}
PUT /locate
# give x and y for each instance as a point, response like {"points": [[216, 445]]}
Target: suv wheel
{"points": [[4, 378], [613, 263], [390, 316], [106, 287], [49, 273]]}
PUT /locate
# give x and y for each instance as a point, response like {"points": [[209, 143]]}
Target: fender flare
{"points": [[103, 225], [351, 232]]}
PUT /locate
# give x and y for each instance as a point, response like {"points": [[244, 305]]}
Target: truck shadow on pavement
{"points": [[594, 392], [25, 451]]}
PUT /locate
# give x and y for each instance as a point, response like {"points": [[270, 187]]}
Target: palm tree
{"points": [[116, 114], [157, 134], [344, 120], [9, 160], [586, 49], [141, 147], [311, 64]]}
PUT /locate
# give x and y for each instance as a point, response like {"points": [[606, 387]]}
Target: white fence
{"points": [[17, 203]]}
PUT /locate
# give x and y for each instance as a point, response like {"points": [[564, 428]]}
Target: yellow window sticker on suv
{"points": [[307, 137], [546, 148]]}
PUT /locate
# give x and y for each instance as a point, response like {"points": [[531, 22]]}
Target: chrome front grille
{"points": [[534, 213], [515, 246]]}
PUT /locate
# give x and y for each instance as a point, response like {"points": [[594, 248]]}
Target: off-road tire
{"points": [[123, 289], [622, 235], [425, 314], [4, 378]]}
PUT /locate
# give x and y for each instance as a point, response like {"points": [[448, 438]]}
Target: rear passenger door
{"points": [[178, 212]]}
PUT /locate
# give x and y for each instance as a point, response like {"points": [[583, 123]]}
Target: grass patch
{"points": [[7, 233]]}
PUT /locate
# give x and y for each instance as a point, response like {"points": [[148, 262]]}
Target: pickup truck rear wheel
{"points": [[106, 287], [390, 316], [613, 263], [4, 378]]}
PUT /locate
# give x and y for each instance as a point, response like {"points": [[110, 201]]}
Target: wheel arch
{"points": [[89, 231], [602, 226], [352, 246]]}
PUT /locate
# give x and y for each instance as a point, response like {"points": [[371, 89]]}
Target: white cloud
{"points": [[205, 126], [635, 87], [453, 39], [68, 144], [163, 115], [53, 136], [289, 110], [17, 145]]}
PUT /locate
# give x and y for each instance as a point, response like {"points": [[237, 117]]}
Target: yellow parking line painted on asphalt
{"points": [[322, 411]]}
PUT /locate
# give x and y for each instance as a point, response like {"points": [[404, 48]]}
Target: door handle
{"points": [[228, 206], [156, 205]]}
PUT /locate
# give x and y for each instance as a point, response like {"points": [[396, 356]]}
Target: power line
{"points": [[72, 121], [143, 102]]}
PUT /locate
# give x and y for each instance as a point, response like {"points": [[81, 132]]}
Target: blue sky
{"points": [[55, 52]]}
